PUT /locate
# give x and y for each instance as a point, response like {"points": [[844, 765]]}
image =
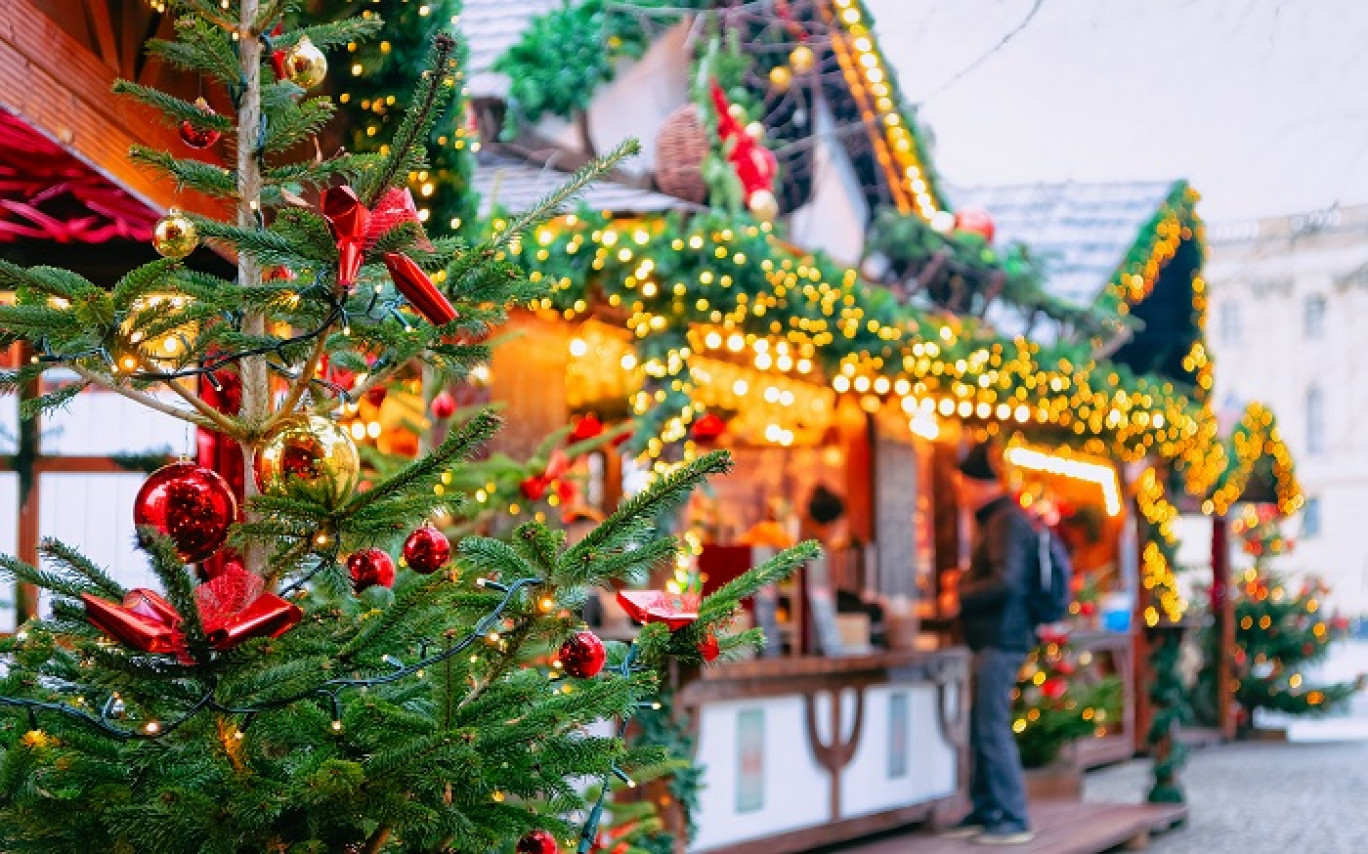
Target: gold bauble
{"points": [[763, 205], [309, 452], [175, 235], [756, 131], [802, 59], [305, 64], [780, 77]]}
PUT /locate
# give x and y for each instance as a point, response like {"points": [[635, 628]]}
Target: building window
{"points": [[1315, 421], [1313, 316], [1311, 518], [1230, 322]]}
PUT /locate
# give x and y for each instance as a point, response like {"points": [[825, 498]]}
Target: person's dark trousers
{"points": [[996, 787]]}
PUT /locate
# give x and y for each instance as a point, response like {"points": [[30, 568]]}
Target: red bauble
{"points": [[197, 136], [426, 550], [443, 405], [708, 428], [1054, 688], [586, 428], [370, 567], [538, 842], [975, 221], [582, 655], [709, 648], [190, 504]]}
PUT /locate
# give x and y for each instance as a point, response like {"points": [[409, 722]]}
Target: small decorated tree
{"points": [[1061, 696], [306, 691], [1280, 631]]}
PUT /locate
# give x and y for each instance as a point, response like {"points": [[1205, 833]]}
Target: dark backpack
{"points": [[1049, 585]]}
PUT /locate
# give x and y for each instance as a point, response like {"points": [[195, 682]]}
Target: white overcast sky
{"points": [[1262, 105]]}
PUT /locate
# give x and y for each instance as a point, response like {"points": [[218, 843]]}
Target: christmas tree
{"points": [[305, 692], [1060, 697], [1279, 633]]}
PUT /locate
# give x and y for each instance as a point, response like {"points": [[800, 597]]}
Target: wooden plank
{"points": [[59, 87], [1062, 827]]}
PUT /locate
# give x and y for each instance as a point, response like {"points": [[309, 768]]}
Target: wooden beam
{"points": [[97, 14], [56, 85]]}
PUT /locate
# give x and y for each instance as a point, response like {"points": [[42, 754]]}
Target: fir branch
{"points": [[407, 152], [201, 48], [664, 494], [32, 407], [176, 110], [54, 282], [143, 280], [196, 174], [456, 446], [721, 603], [297, 125], [551, 204]]}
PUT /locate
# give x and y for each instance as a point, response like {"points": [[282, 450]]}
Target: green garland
{"points": [[674, 273]]}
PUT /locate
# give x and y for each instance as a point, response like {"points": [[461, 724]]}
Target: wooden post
{"points": [[1223, 609], [26, 467]]}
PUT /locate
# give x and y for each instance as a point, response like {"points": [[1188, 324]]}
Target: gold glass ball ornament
{"points": [[305, 64], [781, 77], [175, 236], [763, 205], [802, 59], [309, 452]]}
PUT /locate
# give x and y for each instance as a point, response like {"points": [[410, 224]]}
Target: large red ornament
{"points": [[426, 550], [675, 610], [975, 221], [370, 567], [356, 228], [198, 136], [190, 504], [582, 655], [443, 405], [233, 607], [538, 842], [1054, 688]]}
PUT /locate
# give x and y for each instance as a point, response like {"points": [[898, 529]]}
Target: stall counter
{"points": [[802, 752]]}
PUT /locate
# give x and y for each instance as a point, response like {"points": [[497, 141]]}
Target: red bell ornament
{"points": [[197, 135], [582, 655], [189, 503], [370, 567], [975, 221], [538, 842], [426, 550]]}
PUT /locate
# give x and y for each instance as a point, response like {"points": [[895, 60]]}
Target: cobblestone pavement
{"points": [[1260, 798]]}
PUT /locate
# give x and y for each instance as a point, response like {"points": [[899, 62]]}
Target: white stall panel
{"points": [[902, 758], [760, 777], [103, 424], [94, 513]]}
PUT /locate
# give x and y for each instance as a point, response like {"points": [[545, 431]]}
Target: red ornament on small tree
{"points": [[426, 550], [443, 405], [586, 428], [197, 135], [189, 503], [538, 842], [370, 567], [582, 655], [975, 221]]}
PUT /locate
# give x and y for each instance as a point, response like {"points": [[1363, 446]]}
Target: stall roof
{"points": [[1083, 230], [516, 185], [492, 27]]}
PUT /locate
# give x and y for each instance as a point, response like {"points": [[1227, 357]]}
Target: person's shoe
{"points": [[967, 828], [1002, 836]]}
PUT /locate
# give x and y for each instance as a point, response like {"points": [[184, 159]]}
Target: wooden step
{"points": [[1062, 827]]}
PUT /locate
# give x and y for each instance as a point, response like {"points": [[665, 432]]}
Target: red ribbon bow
{"points": [[675, 610], [754, 164], [355, 229], [233, 607]]}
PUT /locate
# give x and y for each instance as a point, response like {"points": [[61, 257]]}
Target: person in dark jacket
{"points": [[998, 628]]}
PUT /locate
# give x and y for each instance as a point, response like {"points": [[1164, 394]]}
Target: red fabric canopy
{"points": [[48, 194]]}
